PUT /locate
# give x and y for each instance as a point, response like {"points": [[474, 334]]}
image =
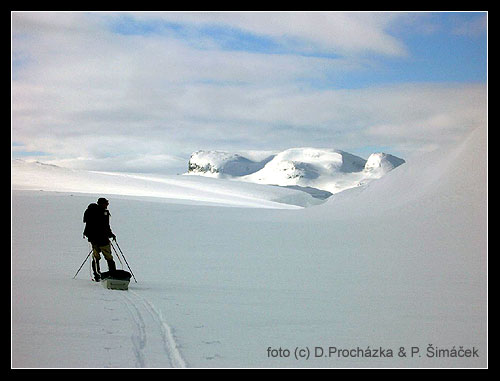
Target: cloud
{"points": [[333, 32], [91, 97]]}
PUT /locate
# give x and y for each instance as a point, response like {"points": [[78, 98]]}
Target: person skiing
{"points": [[98, 232]]}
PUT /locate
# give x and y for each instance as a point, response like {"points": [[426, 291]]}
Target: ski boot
{"points": [[111, 265]]}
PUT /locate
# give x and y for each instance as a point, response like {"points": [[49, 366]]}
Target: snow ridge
{"points": [[184, 189]]}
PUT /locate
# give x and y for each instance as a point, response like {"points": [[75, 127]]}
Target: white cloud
{"points": [[334, 32], [93, 98]]}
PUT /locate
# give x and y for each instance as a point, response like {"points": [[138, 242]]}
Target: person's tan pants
{"points": [[105, 250]]}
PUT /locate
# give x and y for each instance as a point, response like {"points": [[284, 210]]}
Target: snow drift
{"points": [[198, 190]]}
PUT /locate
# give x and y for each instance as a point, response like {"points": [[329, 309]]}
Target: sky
{"points": [[139, 92]]}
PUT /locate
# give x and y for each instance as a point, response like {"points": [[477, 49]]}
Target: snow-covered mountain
{"points": [[378, 164], [217, 163], [327, 169]]}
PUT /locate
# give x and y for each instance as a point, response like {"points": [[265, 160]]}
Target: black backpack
{"points": [[89, 218]]}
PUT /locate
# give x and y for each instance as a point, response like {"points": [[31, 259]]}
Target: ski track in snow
{"points": [[145, 338]]}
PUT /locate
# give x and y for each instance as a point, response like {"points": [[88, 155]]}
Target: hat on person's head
{"points": [[102, 201]]}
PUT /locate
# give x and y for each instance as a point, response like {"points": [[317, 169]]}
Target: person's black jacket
{"points": [[97, 228]]}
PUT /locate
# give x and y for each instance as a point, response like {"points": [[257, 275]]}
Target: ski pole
{"points": [[83, 264], [121, 252], [117, 255]]}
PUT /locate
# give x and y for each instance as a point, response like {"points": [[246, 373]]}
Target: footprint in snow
{"points": [[211, 342], [216, 356]]}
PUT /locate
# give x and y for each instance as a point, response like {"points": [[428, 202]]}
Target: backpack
{"points": [[89, 218]]}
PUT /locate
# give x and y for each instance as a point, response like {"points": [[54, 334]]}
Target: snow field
{"points": [[399, 263]]}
